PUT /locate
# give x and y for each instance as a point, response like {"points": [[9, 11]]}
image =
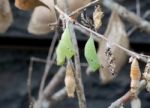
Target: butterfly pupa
{"points": [[97, 17], [70, 80], [135, 75], [65, 47], [91, 55]]}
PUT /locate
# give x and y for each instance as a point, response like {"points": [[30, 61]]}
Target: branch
{"points": [[48, 64], [127, 15], [50, 88], [127, 97]]}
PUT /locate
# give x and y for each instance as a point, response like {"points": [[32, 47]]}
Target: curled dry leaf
{"points": [[28, 4], [70, 80], [41, 16], [135, 75], [6, 17], [97, 16], [115, 33]]}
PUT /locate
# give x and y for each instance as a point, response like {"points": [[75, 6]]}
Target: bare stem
{"points": [[57, 78], [127, 97], [48, 64]]}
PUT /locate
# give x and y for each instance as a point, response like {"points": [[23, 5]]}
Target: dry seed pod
{"points": [[115, 33], [27, 4], [6, 17], [38, 24], [135, 75], [97, 16], [70, 80]]}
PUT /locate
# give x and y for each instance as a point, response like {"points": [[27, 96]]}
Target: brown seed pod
{"points": [[6, 17], [135, 75], [27, 4], [70, 80], [116, 33], [97, 16]]}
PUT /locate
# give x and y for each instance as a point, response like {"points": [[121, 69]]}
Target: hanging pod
{"points": [[6, 17], [115, 33], [91, 55], [70, 80], [135, 75], [65, 47]]}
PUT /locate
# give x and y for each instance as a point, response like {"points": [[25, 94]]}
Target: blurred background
{"points": [[17, 46]]}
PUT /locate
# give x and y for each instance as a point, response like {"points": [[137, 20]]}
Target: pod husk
{"points": [[116, 33]]}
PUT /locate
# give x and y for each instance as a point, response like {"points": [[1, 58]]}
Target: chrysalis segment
{"points": [[135, 75], [70, 80], [90, 54]]}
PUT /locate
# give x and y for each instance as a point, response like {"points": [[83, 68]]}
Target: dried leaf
{"points": [[28, 4], [135, 75], [6, 17], [38, 24], [116, 34], [70, 80], [97, 17]]}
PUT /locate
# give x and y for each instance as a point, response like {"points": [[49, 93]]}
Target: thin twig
{"points": [[57, 79], [29, 82], [138, 8], [36, 59], [77, 72], [127, 97], [58, 96], [82, 8], [146, 14], [48, 64], [128, 15], [78, 78]]}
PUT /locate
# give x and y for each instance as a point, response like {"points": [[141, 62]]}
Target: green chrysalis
{"points": [[90, 54], [65, 47]]}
